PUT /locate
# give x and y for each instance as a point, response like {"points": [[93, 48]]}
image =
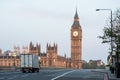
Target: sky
{"points": [[50, 21]]}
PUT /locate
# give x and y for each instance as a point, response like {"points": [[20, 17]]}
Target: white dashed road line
{"points": [[62, 75]]}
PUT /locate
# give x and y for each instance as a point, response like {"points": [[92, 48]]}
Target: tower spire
{"points": [[76, 23], [76, 15]]}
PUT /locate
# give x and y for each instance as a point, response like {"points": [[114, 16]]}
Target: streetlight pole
{"points": [[111, 68], [111, 26]]}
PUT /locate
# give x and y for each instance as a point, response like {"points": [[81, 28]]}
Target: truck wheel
{"points": [[33, 70], [24, 71], [37, 70], [29, 71]]}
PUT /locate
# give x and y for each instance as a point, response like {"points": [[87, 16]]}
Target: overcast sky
{"points": [[42, 21]]}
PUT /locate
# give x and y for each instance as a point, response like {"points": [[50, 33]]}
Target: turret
{"points": [[17, 50], [34, 49], [50, 48], [24, 49]]}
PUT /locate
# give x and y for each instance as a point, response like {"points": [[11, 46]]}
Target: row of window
{"points": [[9, 63]]}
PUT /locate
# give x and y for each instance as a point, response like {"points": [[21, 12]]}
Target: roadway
{"points": [[56, 74]]}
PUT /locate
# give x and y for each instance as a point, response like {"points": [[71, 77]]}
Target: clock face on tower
{"points": [[75, 33]]}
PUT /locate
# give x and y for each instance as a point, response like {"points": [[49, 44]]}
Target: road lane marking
{"points": [[62, 75]]}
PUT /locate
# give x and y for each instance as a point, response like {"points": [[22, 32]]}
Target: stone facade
{"points": [[51, 57], [34, 49], [76, 44], [9, 61], [48, 59]]}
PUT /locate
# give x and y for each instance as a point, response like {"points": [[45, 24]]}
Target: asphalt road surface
{"points": [[56, 74]]}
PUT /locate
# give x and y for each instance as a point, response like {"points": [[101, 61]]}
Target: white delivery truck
{"points": [[29, 63]]}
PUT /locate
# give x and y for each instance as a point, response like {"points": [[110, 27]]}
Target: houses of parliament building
{"points": [[51, 57]]}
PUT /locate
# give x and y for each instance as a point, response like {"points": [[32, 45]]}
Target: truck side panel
{"points": [[35, 61], [26, 60], [30, 60], [22, 61]]}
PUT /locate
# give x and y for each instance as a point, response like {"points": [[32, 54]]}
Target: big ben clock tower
{"points": [[76, 44]]}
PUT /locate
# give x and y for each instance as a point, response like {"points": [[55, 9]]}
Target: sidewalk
{"points": [[111, 76], [107, 74]]}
